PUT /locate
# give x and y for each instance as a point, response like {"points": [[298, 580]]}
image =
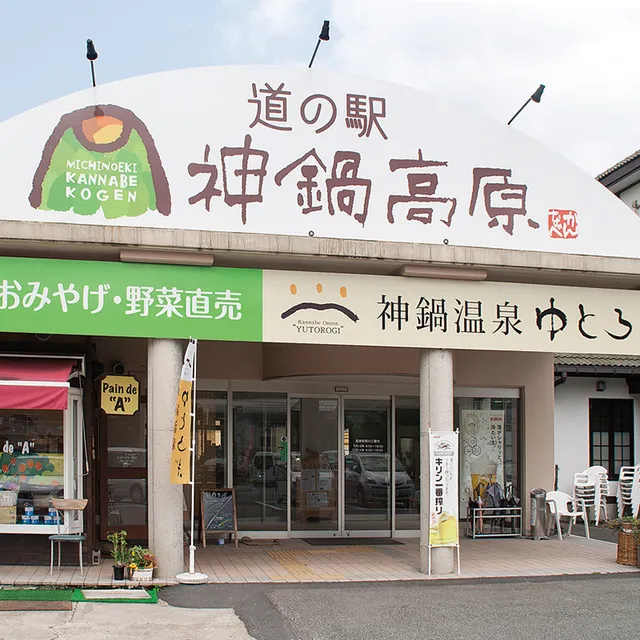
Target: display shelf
{"points": [[501, 522], [48, 529]]}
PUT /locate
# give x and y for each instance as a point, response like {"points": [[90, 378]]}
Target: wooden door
{"points": [[123, 474]]}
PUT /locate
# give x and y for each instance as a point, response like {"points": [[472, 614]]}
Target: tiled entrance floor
{"points": [[293, 561]]}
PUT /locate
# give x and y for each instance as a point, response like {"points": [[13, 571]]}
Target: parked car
{"points": [[367, 478], [267, 469], [134, 489]]}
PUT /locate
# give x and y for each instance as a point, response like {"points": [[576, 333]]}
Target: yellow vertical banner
{"points": [[180, 448]]}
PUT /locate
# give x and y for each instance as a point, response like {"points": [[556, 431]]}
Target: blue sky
{"points": [[488, 55], [42, 52]]}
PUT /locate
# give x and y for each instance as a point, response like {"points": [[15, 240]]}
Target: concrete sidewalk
{"points": [[108, 621], [294, 561]]}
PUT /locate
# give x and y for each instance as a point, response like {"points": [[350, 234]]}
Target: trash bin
{"points": [[538, 511]]}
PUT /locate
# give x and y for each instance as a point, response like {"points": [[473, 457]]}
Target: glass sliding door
{"points": [[260, 460], [314, 465], [367, 464], [407, 476], [211, 443]]}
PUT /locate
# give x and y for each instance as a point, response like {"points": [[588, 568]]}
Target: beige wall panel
{"points": [[283, 360], [230, 360], [533, 372]]}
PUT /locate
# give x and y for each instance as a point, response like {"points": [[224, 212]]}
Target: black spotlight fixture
{"points": [[324, 36], [535, 97], [92, 55]]}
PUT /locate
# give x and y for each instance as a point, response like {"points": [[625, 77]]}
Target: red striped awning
{"points": [[34, 383]]}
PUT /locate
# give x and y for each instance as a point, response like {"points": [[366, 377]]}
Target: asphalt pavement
{"points": [[591, 607]]}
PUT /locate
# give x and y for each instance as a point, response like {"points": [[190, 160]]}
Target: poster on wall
{"points": [[482, 433], [180, 454], [443, 498]]}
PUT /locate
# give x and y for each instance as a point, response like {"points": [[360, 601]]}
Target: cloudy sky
{"points": [[488, 55]]}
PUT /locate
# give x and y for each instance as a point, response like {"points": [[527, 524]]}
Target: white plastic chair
{"points": [[629, 490], [592, 487], [562, 505]]}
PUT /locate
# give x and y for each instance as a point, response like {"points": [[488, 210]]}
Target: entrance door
{"points": [[367, 466], [314, 456], [124, 477]]}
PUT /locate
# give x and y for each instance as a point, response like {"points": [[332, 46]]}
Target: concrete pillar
{"points": [[425, 423], [436, 412], [165, 499]]}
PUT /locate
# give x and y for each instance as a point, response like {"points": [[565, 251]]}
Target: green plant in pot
{"points": [[119, 552], [141, 563]]}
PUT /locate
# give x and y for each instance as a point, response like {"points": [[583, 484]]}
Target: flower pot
{"points": [[144, 575], [118, 571], [627, 548]]}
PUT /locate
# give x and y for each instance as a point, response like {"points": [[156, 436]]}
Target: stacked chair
{"points": [[629, 490], [592, 488]]}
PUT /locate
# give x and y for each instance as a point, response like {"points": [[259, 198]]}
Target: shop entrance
{"points": [[124, 474], [341, 467], [306, 462]]}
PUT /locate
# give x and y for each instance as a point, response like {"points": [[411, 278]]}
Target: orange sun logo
{"points": [[316, 306]]}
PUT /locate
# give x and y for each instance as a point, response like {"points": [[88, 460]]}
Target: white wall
{"points": [[572, 424], [630, 195]]}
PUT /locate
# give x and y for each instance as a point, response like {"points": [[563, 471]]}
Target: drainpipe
{"points": [[561, 380]]}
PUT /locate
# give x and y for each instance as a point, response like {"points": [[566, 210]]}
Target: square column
{"points": [[436, 413], [165, 499]]}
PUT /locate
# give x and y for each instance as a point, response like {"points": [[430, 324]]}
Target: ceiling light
{"points": [[167, 257], [446, 273]]}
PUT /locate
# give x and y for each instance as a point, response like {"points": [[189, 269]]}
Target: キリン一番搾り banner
{"points": [[443, 489]]}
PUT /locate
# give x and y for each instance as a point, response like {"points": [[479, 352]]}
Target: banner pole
{"points": [[193, 577], [192, 546]]}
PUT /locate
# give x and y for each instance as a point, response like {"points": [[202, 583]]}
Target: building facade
{"points": [[360, 262]]}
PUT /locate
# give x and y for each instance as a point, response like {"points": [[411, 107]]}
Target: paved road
{"points": [[572, 608]]}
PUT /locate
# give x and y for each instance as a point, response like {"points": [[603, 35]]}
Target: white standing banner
{"points": [[444, 527], [443, 503]]}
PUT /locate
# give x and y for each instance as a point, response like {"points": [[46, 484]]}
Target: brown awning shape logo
{"points": [[101, 158]]}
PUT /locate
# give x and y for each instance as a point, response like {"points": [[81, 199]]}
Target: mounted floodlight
{"points": [[324, 36], [535, 97], [92, 55]]}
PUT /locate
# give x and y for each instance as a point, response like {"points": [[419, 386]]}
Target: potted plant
{"points": [[628, 529], [141, 563], [118, 539]]}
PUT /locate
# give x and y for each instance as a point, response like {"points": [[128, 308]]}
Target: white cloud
{"points": [[491, 56]]}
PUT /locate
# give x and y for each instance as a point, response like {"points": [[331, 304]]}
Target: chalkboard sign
{"points": [[218, 513]]}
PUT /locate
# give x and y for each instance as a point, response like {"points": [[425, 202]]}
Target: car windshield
{"points": [[379, 462], [374, 462]]}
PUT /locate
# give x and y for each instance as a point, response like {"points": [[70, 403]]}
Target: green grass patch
{"points": [[37, 595]]}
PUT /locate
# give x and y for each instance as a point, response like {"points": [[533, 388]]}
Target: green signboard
{"points": [[130, 300]]}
